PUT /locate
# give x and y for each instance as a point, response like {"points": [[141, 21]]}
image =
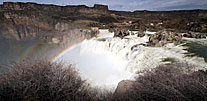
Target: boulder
{"points": [[203, 36], [132, 33], [140, 34], [194, 35], [118, 32], [187, 35], [163, 37], [123, 87]]}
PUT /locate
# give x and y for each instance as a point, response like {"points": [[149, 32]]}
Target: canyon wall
{"points": [[28, 20]]}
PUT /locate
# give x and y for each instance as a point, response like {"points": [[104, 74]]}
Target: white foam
{"points": [[140, 57], [148, 32], [105, 33], [105, 63]]}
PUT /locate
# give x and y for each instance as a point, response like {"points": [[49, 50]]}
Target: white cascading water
{"points": [[106, 62]]}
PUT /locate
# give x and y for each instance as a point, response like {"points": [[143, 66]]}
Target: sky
{"points": [[129, 5]]}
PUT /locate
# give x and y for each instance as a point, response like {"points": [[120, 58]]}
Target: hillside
{"points": [[22, 20]]}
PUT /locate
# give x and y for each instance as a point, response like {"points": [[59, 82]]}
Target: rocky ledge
{"points": [[120, 32], [22, 21], [163, 37], [195, 35], [30, 20]]}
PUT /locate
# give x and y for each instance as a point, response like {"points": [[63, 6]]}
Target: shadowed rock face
{"points": [[27, 20], [123, 87], [103, 7]]}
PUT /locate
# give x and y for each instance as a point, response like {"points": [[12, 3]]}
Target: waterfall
{"points": [[106, 62]]}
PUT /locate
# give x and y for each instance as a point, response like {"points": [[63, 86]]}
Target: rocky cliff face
{"points": [[28, 20]]}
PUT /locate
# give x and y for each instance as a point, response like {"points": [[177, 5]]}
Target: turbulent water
{"points": [[105, 62], [197, 47]]}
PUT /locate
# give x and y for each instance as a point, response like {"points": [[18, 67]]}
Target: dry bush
{"points": [[168, 83], [101, 94], [42, 80]]}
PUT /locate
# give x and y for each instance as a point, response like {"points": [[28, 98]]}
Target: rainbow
{"points": [[67, 50], [28, 50]]}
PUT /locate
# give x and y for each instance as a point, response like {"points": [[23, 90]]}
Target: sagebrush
{"points": [[42, 80]]}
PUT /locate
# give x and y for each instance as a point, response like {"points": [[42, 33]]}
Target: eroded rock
{"points": [[194, 35], [163, 37], [140, 34], [123, 87], [120, 32]]}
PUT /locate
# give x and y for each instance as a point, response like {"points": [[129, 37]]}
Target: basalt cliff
{"points": [[31, 20]]}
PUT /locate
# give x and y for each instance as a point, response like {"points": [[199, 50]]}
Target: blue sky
{"points": [[129, 5]]}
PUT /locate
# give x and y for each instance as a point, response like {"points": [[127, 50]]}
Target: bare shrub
{"points": [[42, 80], [100, 94], [168, 83]]}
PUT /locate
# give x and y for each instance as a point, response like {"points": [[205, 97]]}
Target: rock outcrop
{"points": [[30, 20], [123, 87], [195, 35], [163, 37], [22, 21], [71, 36], [102, 7], [120, 32], [140, 34]]}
